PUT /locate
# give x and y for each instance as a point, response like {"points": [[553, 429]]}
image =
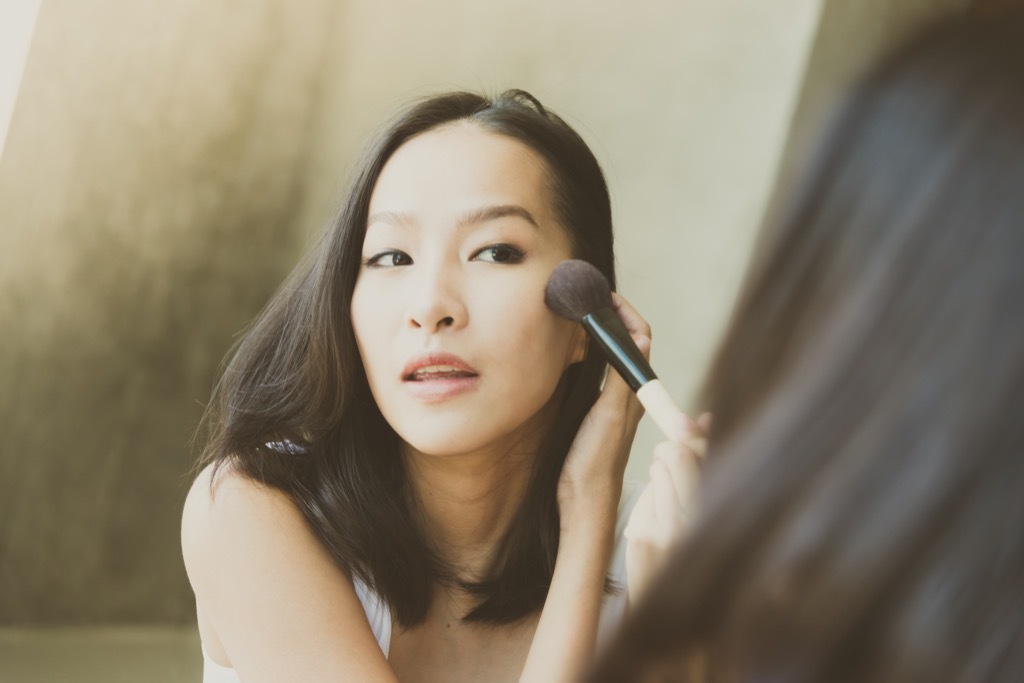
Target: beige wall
{"points": [[17, 19], [155, 162], [166, 162]]}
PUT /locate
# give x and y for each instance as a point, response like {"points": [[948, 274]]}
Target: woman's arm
{"points": [[588, 499], [279, 605]]}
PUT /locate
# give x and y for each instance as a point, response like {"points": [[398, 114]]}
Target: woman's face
{"points": [[460, 351]]}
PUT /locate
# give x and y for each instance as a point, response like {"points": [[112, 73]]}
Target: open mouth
{"points": [[432, 373]]}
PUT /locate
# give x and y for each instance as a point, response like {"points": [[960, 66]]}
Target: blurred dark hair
{"points": [[862, 514], [293, 408]]}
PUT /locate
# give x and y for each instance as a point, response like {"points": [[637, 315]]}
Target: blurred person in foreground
{"points": [[861, 516]]}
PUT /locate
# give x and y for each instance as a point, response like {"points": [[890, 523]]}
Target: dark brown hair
{"points": [[862, 513], [293, 408]]}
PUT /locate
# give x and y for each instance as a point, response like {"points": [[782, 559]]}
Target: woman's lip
{"points": [[436, 358], [441, 389]]}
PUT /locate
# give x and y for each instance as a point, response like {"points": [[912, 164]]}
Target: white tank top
{"points": [[377, 613]]}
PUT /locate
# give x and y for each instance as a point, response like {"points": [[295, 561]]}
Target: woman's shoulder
{"points": [[263, 577], [223, 496], [229, 517]]}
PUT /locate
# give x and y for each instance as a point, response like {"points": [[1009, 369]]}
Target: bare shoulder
{"points": [[233, 529], [224, 506], [270, 596], [232, 526]]}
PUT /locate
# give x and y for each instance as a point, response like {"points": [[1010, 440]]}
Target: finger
{"points": [[639, 330], [681, 465], [643, 343], [666, 498], [679, 427], [633, 321], [698, 447], [690, 433], [704, 421], [621, 397], [616, 393], [695, 439], [615, 415], [641, 519], [668, 518]]}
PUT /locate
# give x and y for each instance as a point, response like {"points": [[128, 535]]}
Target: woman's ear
{"points": [[578, 344]]}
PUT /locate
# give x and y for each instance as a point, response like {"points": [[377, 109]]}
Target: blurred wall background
{"points": [[17, 19], [166, 163]]}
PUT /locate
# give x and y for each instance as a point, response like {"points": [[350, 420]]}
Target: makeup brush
{"points": [[577, 291]]}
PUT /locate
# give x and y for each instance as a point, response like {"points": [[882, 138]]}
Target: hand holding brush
{"points": [[577, 291]]}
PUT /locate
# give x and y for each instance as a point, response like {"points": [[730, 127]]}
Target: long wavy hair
{"points": [[862, 513], [293, 409]]}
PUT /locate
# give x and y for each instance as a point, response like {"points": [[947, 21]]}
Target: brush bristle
{"points": [[576, 289]]}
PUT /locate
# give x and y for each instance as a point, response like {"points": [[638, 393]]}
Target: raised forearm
{"points": [[563, 645]]}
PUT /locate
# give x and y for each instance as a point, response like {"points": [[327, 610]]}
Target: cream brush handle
{"points": [[662, 409]]}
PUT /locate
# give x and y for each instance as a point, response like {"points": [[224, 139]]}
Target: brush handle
{"points": [[605, 327], [662, 409], [607, 330]]}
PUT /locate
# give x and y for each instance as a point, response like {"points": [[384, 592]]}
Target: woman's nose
{"points": [[437, 303]]}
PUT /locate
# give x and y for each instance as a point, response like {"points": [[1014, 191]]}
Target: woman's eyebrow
{"points": [[389, 217], [481, 215], [489, 213]]}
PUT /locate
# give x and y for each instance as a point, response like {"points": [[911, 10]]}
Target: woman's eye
{"points": [[388, 259], [499, 253]]}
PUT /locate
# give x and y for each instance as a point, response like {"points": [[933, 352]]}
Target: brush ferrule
{"points": [[609, 332]]}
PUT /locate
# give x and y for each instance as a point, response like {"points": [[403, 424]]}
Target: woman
{"points": [[413, 473], [861, 516]]}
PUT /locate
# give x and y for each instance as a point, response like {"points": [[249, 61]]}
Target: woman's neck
{"points": [[468, 501]]}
